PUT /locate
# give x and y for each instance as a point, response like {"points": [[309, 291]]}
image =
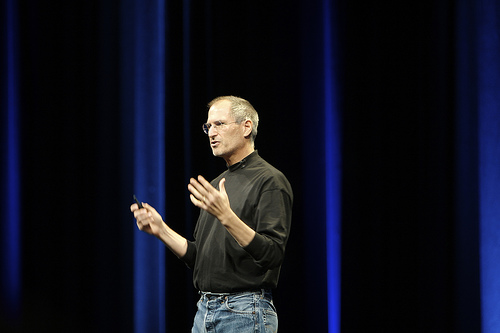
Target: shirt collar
{"points": [[243, 163]]}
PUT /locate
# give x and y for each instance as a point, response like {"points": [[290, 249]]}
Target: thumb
{"points": [[222, 186]]}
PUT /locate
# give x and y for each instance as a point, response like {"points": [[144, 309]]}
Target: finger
{"points": [[198, 203], [202, 185], [195, 184], [142, 224], [206, 184], [147, 207], [135, 206], [140, 214], [197, 189], [193, 190]]}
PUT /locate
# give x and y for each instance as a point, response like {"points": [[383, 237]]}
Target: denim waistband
{"points": [[264, 292]]}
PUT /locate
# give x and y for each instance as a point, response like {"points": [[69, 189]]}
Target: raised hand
{"points": [[207, 197]]}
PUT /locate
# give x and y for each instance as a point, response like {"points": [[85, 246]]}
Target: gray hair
{"points": [[241, 110]]}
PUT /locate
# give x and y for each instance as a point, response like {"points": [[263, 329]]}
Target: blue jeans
{"points": [[245, 312]]}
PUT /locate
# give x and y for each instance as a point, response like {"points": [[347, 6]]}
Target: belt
{"points": [[263, 292]]}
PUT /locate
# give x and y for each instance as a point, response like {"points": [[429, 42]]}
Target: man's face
{"points": [[226, 139]]}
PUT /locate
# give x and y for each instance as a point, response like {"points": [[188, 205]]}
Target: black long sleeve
{"points": [[262, 197]]}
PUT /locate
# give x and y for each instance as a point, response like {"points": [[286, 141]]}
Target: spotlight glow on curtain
{"points": [[186, 110], [11, 221], [143, 53], [489, 161], [332, 171]]}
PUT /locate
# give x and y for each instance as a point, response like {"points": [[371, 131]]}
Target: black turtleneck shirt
{"points": [[261, 196]]}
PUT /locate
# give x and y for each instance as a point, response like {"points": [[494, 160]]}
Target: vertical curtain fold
{"points": [[332, 166], [10, 262], [186, 99], [143, 47], [489, 160], [321, 191]]}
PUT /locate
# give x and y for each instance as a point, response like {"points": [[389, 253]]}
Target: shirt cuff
{"points": [[190, 255], [257, 247]]}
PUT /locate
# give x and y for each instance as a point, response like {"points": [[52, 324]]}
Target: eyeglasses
{"points": [[216, 125]]}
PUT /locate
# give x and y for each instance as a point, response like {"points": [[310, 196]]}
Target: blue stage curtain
{"points": [[322, 193], [478, 173], [333, 163], [143, 108], [10, 225], [488, 53]]}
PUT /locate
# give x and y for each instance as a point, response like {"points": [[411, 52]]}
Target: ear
{"points": [[248, 128]]}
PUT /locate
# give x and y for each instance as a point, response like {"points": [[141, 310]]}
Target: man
{"points": [[243, 227]]}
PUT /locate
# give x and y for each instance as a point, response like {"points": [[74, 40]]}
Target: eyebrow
{"points": [[215, 121]]}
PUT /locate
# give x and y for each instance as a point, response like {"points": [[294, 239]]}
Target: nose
{"points": [[212, 131]]}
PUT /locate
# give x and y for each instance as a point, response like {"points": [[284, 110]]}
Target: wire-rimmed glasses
{"points": [[216, 125]]}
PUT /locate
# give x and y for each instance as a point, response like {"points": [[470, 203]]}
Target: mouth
{"points": [[214, 144]]}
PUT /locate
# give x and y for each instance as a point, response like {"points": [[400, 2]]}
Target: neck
{"points": [[237, 157]]}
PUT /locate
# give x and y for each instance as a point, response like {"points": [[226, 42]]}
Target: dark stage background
{"points": [[409, 184]]}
